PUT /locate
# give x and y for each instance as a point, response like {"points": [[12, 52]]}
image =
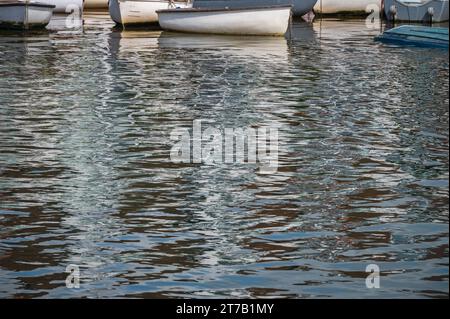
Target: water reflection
{"points": [[85, 175]]}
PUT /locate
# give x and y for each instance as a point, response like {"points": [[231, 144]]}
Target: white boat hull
{"points": [[66, 6], [20, 15], [344, 6], [255, 21], [139, 11]]}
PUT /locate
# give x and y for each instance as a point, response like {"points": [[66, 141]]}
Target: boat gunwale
{"points": [[23, 4], [225, 9]]}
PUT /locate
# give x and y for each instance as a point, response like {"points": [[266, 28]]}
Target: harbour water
{"points": [[86, 177]]}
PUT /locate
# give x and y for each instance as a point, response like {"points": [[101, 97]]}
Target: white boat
{"points": [[417, 10], [66, 6], [141, 11], [25, 15], [95, 4], [272, 20], [299, 7], [345, 6]]}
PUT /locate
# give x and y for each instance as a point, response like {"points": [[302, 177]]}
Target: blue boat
{"points": [[416, 36], [299, 7]]}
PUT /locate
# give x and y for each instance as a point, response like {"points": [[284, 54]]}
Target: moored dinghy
{"points": [[134, 12], [299, 7], [272, 20], [66, 6], [352, 7], [417, 10], [417, 36], [25, 14]]}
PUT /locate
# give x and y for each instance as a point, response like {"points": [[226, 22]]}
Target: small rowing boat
{"points": [[345, 7], [416, 36], [25, 15], [134, 12], [272, 20], [66, 6], [299, 7]]}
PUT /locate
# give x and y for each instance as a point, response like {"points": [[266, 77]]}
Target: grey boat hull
{"points": [[426, 11], [300, 7], [21, 15]]}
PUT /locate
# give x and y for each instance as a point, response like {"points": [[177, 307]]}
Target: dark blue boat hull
{"points": [[416, 36]]}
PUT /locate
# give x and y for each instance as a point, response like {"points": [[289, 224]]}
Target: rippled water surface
{"points": [[86, 177]]}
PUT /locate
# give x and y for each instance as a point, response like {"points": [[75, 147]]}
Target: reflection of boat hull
{"points": [[138, 11], [66, 6], [344, 6], [253, 21], [422, 11], [21, 15], [252, 47], [95, 4], [299, 7]]}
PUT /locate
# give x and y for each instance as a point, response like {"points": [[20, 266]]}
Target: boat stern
{"points": [[114, 11]]}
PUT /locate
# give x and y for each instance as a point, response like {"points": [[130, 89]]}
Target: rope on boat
{"points": [[26, 15]]}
